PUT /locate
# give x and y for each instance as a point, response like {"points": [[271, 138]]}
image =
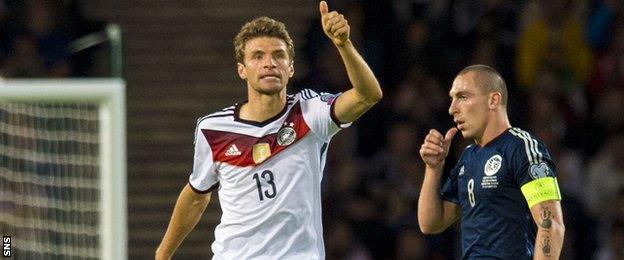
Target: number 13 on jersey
{"points": [[266, 177]]}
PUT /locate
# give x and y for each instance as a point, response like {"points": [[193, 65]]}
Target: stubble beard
{"points": [[269, 91]]}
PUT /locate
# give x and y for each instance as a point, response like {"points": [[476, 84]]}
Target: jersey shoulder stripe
{"points": [[228, 111], [308, 94], [534, 156]]}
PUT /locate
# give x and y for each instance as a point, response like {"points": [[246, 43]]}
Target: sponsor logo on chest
{"points": [[233, 151]]}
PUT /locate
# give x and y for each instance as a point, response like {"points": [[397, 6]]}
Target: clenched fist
{"points": [[436, 147]]}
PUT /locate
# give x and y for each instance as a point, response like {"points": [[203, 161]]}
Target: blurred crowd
{"points": [[563, 62], [36, 39]]}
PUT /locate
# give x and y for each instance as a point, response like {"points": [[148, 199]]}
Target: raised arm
{"points": [[550, 229], [188, 209], [366, 91], [435, 214]]}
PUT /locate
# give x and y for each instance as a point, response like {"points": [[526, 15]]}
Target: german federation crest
{"points": [[286, 135]]}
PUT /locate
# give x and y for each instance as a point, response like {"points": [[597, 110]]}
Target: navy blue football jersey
{"points": [[495, 218]]}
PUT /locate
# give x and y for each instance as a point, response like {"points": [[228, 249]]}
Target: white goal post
{"points": [[108, 95]]}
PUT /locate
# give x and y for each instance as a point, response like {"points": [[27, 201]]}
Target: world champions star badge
{"points": [[261, 152]]}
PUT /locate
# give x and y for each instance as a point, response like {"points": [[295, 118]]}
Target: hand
{"points": [[436, 147], [335, 25]]}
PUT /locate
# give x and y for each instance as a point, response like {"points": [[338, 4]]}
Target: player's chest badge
{"points": [[492, 166], [261, 152], [286, 135]]}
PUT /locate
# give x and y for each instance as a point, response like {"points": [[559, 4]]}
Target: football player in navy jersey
{"points": [[503, 187], [266, 155]]}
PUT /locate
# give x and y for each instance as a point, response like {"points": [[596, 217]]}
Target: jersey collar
{"points": [[237, 107]]}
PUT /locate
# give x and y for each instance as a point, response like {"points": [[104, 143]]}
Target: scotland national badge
{"points": [[493, 165], [286, 135]]}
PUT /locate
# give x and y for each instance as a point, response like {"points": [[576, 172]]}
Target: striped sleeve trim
{"points": [[204, 191], [530, 145], [224, 112], [228, 111], [308, 94]]}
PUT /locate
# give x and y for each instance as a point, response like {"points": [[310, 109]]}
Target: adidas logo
{"points": [[232, 151]]}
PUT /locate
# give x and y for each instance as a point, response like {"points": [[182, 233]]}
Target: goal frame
{"points": [[109, 95]]}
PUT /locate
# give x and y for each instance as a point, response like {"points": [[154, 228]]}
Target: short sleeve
{"points": [[531, 160], [449, 188], [203, 178], [318, 112]]}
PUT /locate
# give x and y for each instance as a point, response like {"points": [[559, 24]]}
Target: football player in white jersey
{"points": [[266, 155]]}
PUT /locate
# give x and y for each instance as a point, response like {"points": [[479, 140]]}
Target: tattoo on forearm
{"points": [[546, 216], [545, 245]]}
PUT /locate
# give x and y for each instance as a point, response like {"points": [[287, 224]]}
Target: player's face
{"points": [[267, 67], [469, 106]]}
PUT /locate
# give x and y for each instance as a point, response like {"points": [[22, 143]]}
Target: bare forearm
{"points": [[361, 76], [187, 212], [550, 230], [430, 204], [549, 242]]}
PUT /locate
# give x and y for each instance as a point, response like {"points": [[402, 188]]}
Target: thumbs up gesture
{"points": [[335, 25]]}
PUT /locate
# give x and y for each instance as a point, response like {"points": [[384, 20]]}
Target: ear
{"points": [[291, 69], [242, 71], [495, 100]]}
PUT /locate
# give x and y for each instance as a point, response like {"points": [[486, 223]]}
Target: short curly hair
{"points": [[262, 27]]}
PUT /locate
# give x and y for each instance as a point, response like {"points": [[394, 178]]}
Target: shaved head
{"points": [[488, 80]]}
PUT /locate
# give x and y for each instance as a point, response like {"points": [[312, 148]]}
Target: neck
{"points": [[262, 107], [495, 127]]}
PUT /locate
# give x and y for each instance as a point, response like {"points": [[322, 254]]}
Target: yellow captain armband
{"points": [[541, 189]]}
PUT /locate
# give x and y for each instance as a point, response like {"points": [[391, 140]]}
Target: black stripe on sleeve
{"points": [[332, 113], [323, 149], [204, 191]]}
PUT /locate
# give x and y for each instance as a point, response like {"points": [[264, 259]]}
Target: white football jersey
{"points": [[269, 178]]}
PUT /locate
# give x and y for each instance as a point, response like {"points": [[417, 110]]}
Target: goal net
{"points": [[63, 168]]}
